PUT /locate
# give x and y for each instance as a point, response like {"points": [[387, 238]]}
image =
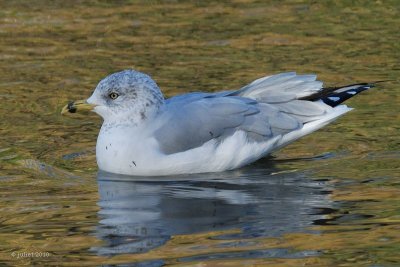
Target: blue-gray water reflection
{"points": [[140, 213]]}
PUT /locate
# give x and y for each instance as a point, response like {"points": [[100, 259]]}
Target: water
{"points": [[330, 199]]}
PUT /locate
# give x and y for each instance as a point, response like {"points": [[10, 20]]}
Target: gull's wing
{"points": [[186, 124], [267, 107], [189, 124]]}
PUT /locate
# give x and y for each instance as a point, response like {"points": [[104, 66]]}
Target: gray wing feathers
{"points": [[303, 108], [227, 106], [284, 90], [279, 122], [283, 84], [257, 125], [278, 98], [197, 122], [267, 107]]}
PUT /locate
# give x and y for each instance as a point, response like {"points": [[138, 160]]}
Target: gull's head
{"points": [[125, 96]]}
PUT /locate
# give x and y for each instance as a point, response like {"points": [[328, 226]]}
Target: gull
{"points": [[145, 134]]}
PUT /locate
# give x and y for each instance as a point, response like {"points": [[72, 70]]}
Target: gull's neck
{"points": [[136, 117]]}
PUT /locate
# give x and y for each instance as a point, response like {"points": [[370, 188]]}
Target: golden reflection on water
{"points": [[52, 52]]}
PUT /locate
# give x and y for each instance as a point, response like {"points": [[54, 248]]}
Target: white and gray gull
{"points": [[145, 134]]}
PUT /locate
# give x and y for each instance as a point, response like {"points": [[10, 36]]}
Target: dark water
{"points": [[139, 215], [330, 199]]}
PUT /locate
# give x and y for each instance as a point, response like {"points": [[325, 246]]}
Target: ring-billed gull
{"points": [[145, 134]]}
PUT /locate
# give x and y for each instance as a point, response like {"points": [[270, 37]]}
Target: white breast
{"points": [[124, 150]]}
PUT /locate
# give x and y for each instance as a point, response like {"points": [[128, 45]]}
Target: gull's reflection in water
{"points": [[138, 214]]}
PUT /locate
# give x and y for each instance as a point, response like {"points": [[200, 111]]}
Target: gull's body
{"points": [[144, 134]]}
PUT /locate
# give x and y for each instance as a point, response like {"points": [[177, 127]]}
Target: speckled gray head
{"points": [[126, 96]]}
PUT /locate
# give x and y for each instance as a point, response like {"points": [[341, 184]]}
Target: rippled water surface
{"points": [[330, 199]]}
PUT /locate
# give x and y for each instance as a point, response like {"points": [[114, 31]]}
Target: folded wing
{"points": [[267, 107]]}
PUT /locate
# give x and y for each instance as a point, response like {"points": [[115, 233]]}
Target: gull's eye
{"points": [[113, 95]]}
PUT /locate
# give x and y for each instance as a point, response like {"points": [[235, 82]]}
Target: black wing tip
{"points": [[333, 96], [340, 94]]}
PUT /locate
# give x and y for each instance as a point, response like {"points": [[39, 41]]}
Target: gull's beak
{"points": [[77, 106]]}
